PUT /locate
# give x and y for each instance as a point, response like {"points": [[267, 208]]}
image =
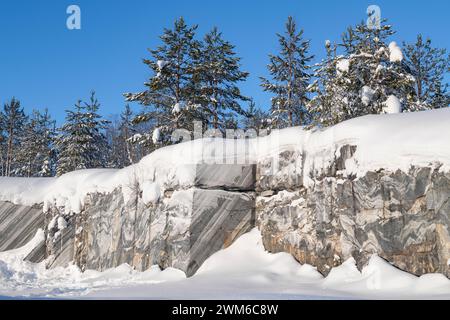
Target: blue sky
{"points": [[46, 65]]}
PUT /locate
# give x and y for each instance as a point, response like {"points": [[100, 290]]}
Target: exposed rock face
{"points": [[404, 217], [18, 224], [319, 215], [181, 229]]}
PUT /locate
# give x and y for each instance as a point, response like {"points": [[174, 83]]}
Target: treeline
{"points": [[32, 145], [196, 79]]}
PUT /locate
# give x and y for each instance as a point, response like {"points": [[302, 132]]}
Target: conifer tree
{"points": [[168, 95], [329, 105], [36, 154], [82, 143], [256, 118], [428, 65], [362, 79], [217, 72], [120, 135], [12, 121], [290, 73]]}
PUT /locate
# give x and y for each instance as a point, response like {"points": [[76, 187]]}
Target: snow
{"points": [[156, 136], [367, 95], [379, 68], [242, 271], [395, 53], [161, 64], [151, 192], [177, 107], [343, 65], [62, 224], [392, 105]]}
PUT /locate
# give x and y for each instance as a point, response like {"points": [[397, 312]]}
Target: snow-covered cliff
{"points": [[376, 184]]}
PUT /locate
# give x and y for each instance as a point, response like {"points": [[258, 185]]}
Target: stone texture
{"points": [[226, 176], [18, 224], [401, 216], [404, 217], [180, 230]]}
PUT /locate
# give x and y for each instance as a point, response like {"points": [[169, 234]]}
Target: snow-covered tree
{"points": [[82, 143], [36, 156], [290, 73], [12, 121], [329, 105], [428, 65], [169, 90], [217, 72], [367, 73]]}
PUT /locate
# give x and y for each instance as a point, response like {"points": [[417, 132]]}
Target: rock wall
{"points": [[404, 217], [180, 229], [18, 224], [321, 216]]}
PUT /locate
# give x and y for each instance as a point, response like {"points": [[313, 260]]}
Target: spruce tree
{"points": [[127, 130], [12, 121], [82, 143], [290, 73], [168, 98], [217, 72], [96, 144], [36, 154], [428, 65]]}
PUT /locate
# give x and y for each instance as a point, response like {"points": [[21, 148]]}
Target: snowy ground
{"points": [[242, 271]]}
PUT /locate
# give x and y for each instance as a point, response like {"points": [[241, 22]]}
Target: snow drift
{"points": [[242, 271]]}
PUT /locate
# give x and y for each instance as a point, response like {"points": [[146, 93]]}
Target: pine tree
{"points": [[12, 120], [82, 143], [428, 66], [290, 78], [217, 71], [168, 96]]}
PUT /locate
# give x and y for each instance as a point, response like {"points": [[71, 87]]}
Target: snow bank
{"points": [[242, 271], [390, 141]]}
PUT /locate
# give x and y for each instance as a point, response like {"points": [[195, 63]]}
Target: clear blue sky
{"points": [[46, 65]]}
